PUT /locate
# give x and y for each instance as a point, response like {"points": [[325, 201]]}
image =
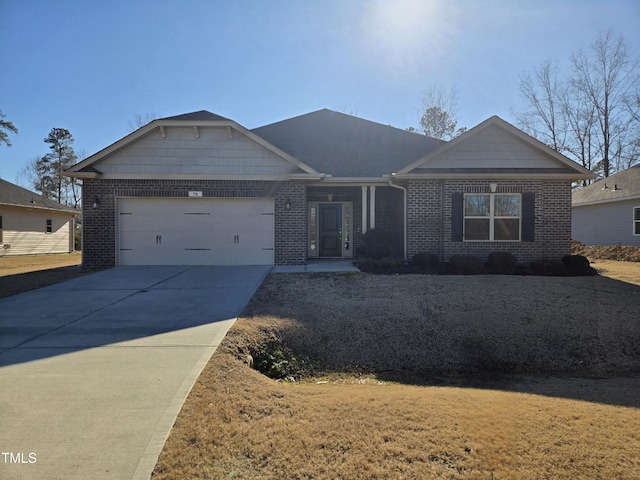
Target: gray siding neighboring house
{"points": [[33, 225], [607, 212], [199, 188]]}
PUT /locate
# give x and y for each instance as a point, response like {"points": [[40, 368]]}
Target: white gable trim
{"points": [[163, 125], [580, 172]]}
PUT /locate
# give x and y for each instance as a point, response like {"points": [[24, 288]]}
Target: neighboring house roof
{"points": [[496, 148], [346, 146], [624, 185], [15, 196]]}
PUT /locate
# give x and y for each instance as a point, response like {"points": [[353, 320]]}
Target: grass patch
{"points": [[400, 386], [23, 273]]}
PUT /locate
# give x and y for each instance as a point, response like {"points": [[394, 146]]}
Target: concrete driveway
{"points": [[94, 371]]}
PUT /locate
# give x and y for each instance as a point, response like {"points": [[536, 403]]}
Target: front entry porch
{"points": [[337, 217]]}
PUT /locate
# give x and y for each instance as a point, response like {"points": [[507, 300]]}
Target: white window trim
{"points": [[492, 217], [633, 224]]}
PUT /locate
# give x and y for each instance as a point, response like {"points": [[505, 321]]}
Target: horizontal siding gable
{"points": [[491, 148], [215, 151]]}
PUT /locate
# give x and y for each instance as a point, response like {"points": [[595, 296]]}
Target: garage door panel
{"points": [[196, 231]]}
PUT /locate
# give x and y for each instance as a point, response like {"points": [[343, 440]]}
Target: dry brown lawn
{"points": [[624, 271], [22, 273], [422, 377]]}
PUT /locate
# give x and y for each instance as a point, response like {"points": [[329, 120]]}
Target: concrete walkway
{"points": [[317, 266], [94, 371]]}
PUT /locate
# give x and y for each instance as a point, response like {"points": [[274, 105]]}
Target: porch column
{"points": [[364, 209], [372, 207]]}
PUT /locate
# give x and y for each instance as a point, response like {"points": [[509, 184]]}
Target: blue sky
{"points": [[91, 66]]}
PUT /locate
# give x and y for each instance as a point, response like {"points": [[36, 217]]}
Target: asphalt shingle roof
{"points": [[620, 186], [14, 195], [200, 115], [347, 146]]}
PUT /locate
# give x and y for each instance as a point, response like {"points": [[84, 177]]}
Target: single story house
{"points": [[33, 225], [201, 189], [607, 212]]}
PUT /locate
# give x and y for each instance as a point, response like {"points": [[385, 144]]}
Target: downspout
{"points": [[404, 223]]}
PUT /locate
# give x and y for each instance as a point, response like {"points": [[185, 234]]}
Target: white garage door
{"points": [[195, 231]]}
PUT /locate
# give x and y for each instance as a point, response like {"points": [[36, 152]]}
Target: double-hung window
{"points": [[492, 217], [636, 220]]}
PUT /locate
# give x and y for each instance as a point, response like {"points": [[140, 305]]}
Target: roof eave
{"points": [[505, 175], [39, 207], [606, 200]]}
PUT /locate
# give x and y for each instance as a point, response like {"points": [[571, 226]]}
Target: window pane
{"points": [[476, 205], [507, 206], [506, 229], [476, 229], [637, 228], [636, 214]]}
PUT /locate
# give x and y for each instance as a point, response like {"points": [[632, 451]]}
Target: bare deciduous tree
{"points": [[140, 120], [592, 115], [438, 113]]}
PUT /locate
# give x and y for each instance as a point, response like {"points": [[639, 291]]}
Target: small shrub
{"points": [[377, 244], [426, 262], [578, 265], [576, 261], [548, 267], [386, 265], [502, 263], [465, 265], [277, 361]]}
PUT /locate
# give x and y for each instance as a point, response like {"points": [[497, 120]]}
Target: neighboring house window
{"points": [[49, 225], [492, 217], [1, 229], [636, 221]]}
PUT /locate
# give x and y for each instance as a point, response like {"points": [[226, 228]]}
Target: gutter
{"points": [[404, 223]]}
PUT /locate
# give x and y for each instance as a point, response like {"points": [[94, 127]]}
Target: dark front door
{"points": [[330, 230]]}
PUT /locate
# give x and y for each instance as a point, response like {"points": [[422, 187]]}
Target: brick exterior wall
{"points": [[291, 225], [428, 214], [429, 219], [99, 225]]}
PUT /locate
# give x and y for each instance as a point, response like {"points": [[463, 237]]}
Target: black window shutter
{"points": [[457, 216], [528, 217]]}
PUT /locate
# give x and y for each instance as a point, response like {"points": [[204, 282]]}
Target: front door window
{"points": [[330, 229]]}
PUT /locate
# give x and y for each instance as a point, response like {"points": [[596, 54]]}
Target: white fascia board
{"points": [[569, 177], [354, 181], [609, 200], [200, 176], [71, 213]]}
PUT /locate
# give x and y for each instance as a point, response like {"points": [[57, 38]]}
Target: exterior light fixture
{"points": [[287, 204], [96, 203]]}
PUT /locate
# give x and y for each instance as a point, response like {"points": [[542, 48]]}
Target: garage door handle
{"points": [[236, 239], [158, 239]]}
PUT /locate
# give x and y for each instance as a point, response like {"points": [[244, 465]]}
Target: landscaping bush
{"points": [[548, 267], [426, 262], [502, 263], [465, 265], [277, 361], [578, 265], [377, 244], [385, 266]]}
